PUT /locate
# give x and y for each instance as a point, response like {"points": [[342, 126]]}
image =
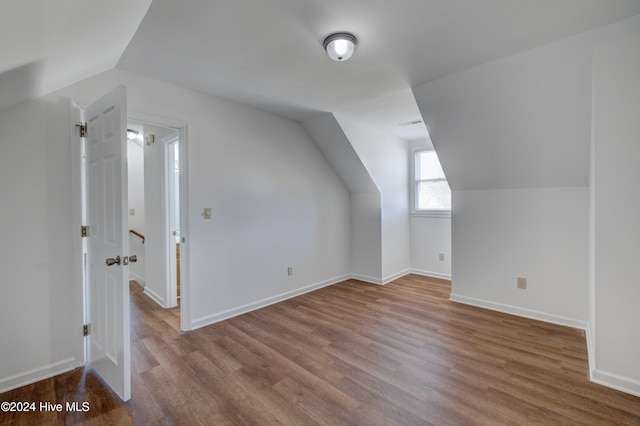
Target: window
{"points": [[431, 190]]}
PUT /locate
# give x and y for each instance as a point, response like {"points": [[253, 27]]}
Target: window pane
{"points": [[429, 166], [433, 196]]}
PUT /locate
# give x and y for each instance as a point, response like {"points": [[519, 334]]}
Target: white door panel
{"points": [[108, 287]]}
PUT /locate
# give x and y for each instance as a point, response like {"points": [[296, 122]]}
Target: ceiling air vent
{"points": [[410, 123]]}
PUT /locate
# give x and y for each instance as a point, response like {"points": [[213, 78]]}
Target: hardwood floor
{"points": [[353, 353]]}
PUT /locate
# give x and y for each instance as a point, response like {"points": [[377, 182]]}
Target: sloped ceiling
{"points": [[334, 144], [268, 53], [523, 121], [46, 45]]}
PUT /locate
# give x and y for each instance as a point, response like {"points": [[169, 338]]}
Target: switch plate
{"points": [[522, 283], [132, 212], [441, 257], [290, 270], [207, 213]]}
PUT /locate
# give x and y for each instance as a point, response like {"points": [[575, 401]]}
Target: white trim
{"points": [[154, 296], [212, 319], [591, 350], [615, 381], [366, 279], [76, 115], [395, 276], [41, 373], [381, 281], [526, 313], [138, 279], [446, 214], [145, 118], [431, 274], [169, 242], [601, 377], [185, 247]]}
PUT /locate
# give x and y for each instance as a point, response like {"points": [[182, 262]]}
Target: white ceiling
{"points": [[268, 53], [46, 45]]}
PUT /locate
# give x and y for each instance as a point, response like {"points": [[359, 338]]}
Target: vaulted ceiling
{"points": [[268, 53]]}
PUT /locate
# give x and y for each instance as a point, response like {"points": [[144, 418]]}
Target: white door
{"points": [[108, 286], [173, 184]]}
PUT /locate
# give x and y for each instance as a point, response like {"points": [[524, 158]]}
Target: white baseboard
{"points": [[431, 274], [366, 279], [212, 319], [522, 312], [380, 281], [604, 378], [154, 296], [614, 381], [395, 276], [591, 350], [40, 373], [138, 279]]}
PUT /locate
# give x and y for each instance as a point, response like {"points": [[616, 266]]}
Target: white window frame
{"points": [[413, 186]]}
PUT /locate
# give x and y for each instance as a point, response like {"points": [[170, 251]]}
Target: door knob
{"points": [[133, 259], [111, 261]]}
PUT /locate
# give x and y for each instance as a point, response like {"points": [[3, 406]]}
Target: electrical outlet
{"points": [[290, 270], [441, 257], [522, 283]]}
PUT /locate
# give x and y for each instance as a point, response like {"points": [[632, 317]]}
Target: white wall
{"points": [[366, 237], [615, 277], [366, 204], [336, 147], [523, 121], [431, 236], [539, 234], [276, 201], [385, 158], [40, 315]]}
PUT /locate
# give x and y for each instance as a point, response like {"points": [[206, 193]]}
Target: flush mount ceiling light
{"points": [[132, 134], [340, 46]]}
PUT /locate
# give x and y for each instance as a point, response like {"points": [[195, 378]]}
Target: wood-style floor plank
{"points": [[349, 354]]}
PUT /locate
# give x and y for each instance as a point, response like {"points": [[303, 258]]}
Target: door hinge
{"points": [[82, 127], [86, 330], [84, 231]]}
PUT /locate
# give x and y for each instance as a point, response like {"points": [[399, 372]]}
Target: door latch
{"points": [[111, 261]]}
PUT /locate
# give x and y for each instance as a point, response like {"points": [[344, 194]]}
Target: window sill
{"points": [[432, 213]]}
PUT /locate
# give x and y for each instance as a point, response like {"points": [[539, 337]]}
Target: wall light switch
{"points": [[441, 257], [207, 213], [132, 212]]}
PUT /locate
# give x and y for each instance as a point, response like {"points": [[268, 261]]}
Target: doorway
{"points": [[157, 209]]}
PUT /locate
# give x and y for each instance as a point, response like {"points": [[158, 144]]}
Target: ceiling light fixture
{"points": [[132, 134], [340, 46]]}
